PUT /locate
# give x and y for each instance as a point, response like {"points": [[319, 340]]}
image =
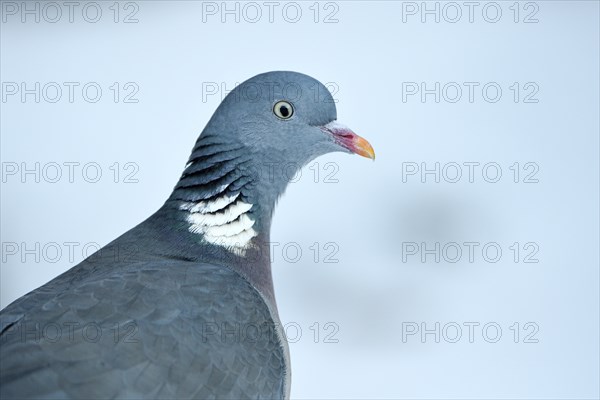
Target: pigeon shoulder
{"points": [[151, 330]]}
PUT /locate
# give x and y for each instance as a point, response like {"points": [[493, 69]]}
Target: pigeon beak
{"points": [[344, 136]]}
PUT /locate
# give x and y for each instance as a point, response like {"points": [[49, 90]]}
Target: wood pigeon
{"points": [[182, 305]]}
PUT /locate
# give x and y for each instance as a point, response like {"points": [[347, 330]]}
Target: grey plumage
{"points": [[176, 307], [150, 330]]}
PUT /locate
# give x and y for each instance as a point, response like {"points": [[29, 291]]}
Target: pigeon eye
{"points": [[283, 109]]}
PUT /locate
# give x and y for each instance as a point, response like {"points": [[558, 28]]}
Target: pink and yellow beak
{"points": [[344, 136]]}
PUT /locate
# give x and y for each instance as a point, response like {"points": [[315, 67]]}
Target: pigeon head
{"points": [[264, 130], [285, 118]]}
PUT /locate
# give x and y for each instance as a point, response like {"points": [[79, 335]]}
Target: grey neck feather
{"points": [[221, 180]]}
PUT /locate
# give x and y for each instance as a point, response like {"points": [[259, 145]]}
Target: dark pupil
{"points": [[285, 112]]}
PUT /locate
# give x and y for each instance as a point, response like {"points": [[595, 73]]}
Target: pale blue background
{"points": [[370, 211]]}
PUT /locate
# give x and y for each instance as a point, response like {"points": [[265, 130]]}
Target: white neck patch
{"points": [[223, 222]]}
